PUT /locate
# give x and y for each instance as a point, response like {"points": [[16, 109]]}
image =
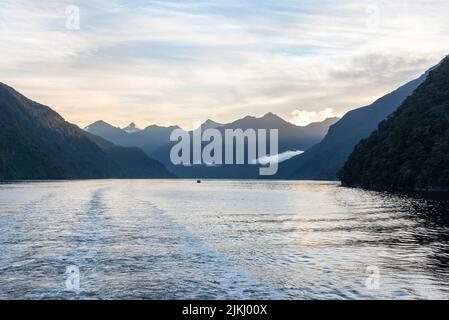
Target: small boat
{"points": [[198, 181]]}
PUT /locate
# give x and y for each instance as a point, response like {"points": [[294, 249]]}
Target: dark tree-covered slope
{"points": [[37, 143], [410, 150], [323, 160]]}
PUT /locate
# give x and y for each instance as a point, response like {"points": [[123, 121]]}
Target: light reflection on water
{"points": [[218, 240]]}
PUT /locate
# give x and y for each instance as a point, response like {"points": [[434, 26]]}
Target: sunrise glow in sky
{"points": [[178, 62]]}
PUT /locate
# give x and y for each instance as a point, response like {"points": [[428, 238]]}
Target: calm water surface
{"points": [[220, 240]]}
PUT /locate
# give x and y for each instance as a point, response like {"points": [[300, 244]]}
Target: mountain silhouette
{"points": [[210, 124], [410, 150], [149, 139], [324, 160], [291, 137], [37, 143]]}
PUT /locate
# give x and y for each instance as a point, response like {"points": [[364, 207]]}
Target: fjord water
{"points": [[175, 239]]}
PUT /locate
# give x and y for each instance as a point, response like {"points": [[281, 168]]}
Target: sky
{"points": [[180, 62]]}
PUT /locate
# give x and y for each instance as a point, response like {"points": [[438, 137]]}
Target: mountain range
{"points": [[37, 143], [327, 144], [148, 139], [325, 159], [410, 150], [155, 141]]}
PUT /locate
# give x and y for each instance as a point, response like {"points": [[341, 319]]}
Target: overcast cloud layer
{"points": [[176, 62]]}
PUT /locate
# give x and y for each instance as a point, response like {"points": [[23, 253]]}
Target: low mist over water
{"points": [[171, 239]]}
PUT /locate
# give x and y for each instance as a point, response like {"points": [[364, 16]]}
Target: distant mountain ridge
{"points": [[148, 139], [37, 143], [290, 136], [324, 160], [153, 137], [210, 124], [155, 141], [410, 150]]}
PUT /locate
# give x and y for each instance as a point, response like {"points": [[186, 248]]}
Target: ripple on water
{"points": [[219, 240]]}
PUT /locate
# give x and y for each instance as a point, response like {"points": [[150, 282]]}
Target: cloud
{"points": [[281, 157], [304, 117], [175, 62]]}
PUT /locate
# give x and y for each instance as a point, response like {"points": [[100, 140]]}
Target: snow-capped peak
{"points": [[131, 128]]}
